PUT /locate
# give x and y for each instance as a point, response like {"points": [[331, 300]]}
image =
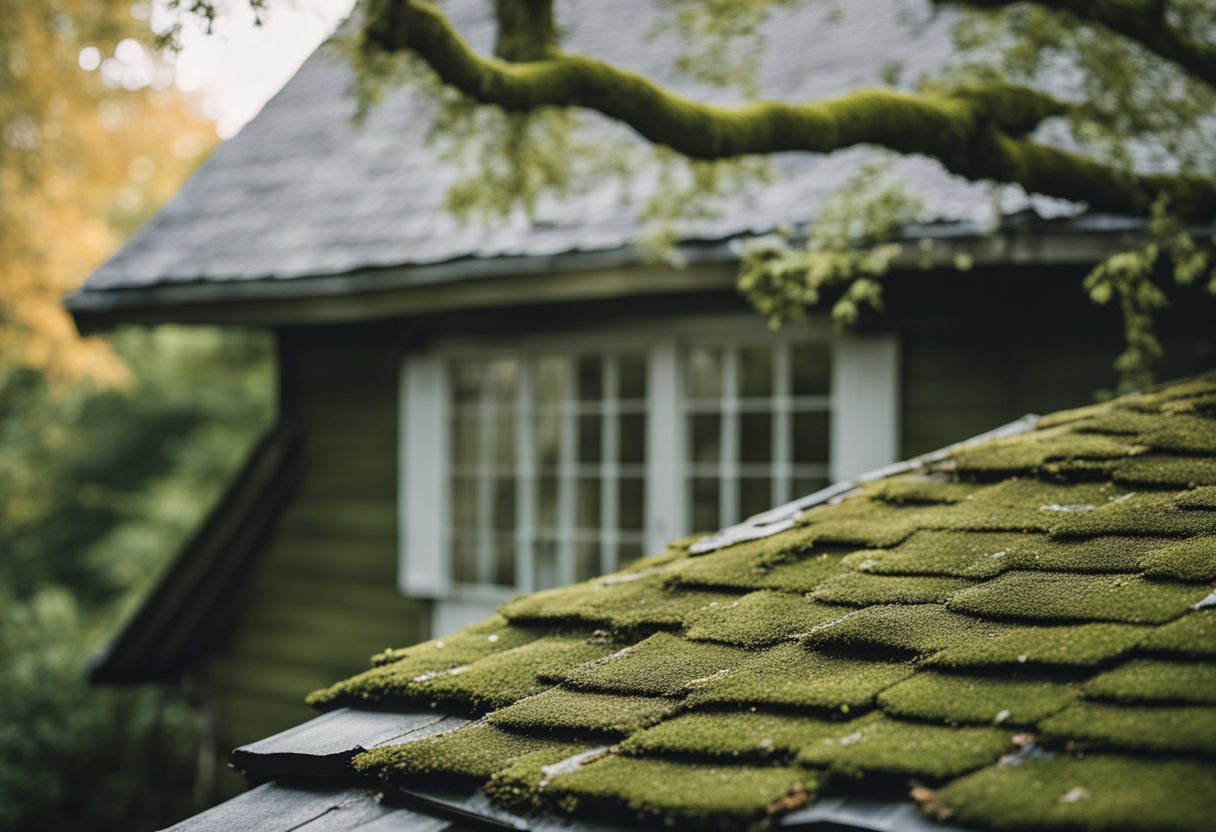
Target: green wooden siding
{"points": [[322, 596]]}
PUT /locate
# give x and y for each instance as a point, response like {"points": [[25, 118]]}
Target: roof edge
{"points": [[466, 283], [154, 642]]}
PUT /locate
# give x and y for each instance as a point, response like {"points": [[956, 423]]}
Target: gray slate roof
{"points": [[302, 191]]}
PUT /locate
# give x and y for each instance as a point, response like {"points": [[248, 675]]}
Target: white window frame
{"points": [[864, 407]]}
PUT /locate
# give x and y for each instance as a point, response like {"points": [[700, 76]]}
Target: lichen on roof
{"points": [[1021, 635]]}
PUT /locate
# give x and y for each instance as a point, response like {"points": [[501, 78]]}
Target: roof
{"points": [[178, 615], [303, 193], [1016, 632]]}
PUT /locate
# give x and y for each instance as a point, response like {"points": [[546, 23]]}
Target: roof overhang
{"points": [[478, 283]]}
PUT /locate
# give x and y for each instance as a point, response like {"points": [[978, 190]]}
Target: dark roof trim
{"points": [[468, 283], [157, 642]]}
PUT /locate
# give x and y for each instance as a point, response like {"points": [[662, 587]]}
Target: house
{"points": [[467, 412], [1017, 632]]}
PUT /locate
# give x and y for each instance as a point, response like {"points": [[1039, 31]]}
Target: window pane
{"points": [[465, 428], [466, 382], [588, 507], [756, 371], [544, 564], [755, 437], [632, 439], [503, 374], [550, 380], [548, 439], [705, 437], [546, 503], [812, 370], [504, 560], [631, 371], [590, 435], [464, 558], [755, 496], [810, 440], [704, 373], [586, 559], [590, 370], [504, 443], [705, 491], [503, 501], [464, 502], [631, 503]]}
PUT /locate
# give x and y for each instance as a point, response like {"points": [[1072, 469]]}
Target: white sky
{"points": [[240, 66]]}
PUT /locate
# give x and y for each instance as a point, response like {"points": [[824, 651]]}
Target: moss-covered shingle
{"points": [[561, 710], [1092, 792], [735, 734], [662, 665], [1128, 599], [860, 589], [759, 619], [1165, 728], [883, 745], [1194, 634], [690, 795], [957, 698], [1156, 680], [915, 628], [1069, 645], [792, 676]]}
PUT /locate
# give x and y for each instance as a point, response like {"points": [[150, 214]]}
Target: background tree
{"points": [[111, 448], [1141, 86]]}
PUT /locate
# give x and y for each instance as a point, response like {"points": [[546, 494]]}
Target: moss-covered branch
{"points": [[1143, 21], [978, 133]]}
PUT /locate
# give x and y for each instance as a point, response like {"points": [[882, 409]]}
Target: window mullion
{"points": [[609, 434], [729, 463], [567, 481], [666, 451], [783, 417], [525, 478], [485, 480]]}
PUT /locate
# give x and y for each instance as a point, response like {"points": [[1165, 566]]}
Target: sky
{"points": [[240, 66]]}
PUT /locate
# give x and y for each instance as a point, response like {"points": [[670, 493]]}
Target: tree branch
{"points": [[1142, 21], [978, 133]]}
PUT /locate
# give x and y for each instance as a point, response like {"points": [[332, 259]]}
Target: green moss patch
{"points": [[919, 488], [1156, 680], [881, 744], [1198, 498], [662, 665], [1064, 596], [700, 796], [1168, 728], [768, 563], [1078, 645], [633, 602], [918, 628], [489, 682], [792, 676], [1034, 451], [759, 619], [805, 573], [1161, 470], [735, 734], [1020, 505], [1093, 792], [1194, 634], [955, 554], [1138, 513], [494, 635], [558, 709], [473, 751], [957, 698], [861, 589], [865, 523], [1193, 559]]}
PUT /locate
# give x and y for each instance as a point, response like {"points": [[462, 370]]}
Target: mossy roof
{"points": [[1018, 635]]}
